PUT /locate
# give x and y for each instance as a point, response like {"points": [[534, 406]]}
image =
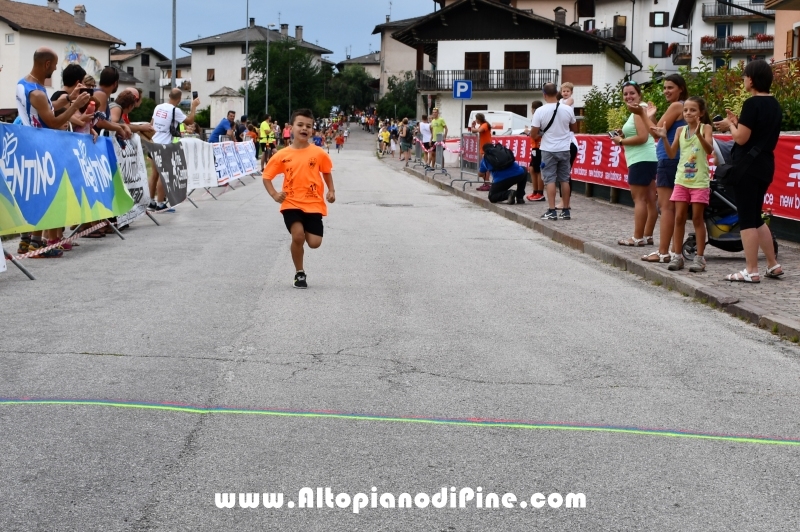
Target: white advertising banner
{"points": [[134, 174], [234, 167], [221, 165], [245, 159], [199, 164]]}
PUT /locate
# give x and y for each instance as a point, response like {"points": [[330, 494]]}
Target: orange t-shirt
{"points": [[253, 135], [484, 135], [302, 177]]}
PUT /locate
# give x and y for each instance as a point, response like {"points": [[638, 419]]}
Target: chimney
{"points": [[387, 18], [138, 47], [561, 15], [298, 33], [80, 15], [285, 30], [252, 23], [53, 4]]}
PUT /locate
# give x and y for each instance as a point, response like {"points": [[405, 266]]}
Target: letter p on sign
{"points": [[462, 89]]}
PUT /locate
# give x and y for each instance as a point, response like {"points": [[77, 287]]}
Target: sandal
{"points": [[648, 240], [655, 256], [743, 277], [771, 272], [632, 242]]}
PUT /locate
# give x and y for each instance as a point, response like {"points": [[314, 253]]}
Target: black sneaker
{"points": [[161, 207], [511, 199], [520, 201], [564, 215], [300, 280], [152, 206], [550, 215]]}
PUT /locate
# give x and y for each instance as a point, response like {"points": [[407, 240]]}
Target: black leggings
{"points": [[499, 190], [750, 201]]}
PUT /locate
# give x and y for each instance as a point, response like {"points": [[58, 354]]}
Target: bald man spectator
{"points": [[167, 118], [36, 110]]}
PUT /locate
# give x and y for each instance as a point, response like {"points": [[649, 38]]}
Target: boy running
{"points": [[304, 167]]}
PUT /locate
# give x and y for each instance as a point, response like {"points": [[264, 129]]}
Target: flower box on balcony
{"points": [[762, 37], [708, 39], [735, 39]]}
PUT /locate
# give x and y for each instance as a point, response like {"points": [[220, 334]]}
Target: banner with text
{"points": [[56, 179], [171, 165], [235, 170], [134, 174], [520, 145], [199, 157], [221, 165], [601, 162]]}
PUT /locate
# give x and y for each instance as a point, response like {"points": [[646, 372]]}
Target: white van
{"points": [[503, 122]]}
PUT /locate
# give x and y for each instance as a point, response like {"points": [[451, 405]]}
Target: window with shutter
{"points": [[210, 74], [476, 61], [659, 19], [145, 59], [517, 61], [521, 110], [658, 49]]}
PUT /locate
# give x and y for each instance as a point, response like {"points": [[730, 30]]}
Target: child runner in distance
{"points": [[692, 180], [304, 167], [339, 141]]}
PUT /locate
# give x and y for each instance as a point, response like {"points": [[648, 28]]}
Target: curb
{"points": [[758, 316]]}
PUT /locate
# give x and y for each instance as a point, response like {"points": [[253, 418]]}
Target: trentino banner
{"points": [[57, 179]]}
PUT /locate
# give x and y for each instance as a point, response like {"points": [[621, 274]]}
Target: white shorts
{"points": [[394, 145]]}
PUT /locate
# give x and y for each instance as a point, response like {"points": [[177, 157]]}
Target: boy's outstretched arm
{"points": [[331, 195]]}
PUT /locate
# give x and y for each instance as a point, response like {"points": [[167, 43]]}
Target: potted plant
{"points": [[708, 39], [671, 48], [763, 37], [735, 39]]}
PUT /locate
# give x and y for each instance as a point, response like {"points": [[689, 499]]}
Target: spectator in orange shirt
{"points": [[535, 167], [484, 131]]}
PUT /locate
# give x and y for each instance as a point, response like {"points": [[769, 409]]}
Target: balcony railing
{"points": [[717, 11], [486, 80], [722, 44], [682, 55]]}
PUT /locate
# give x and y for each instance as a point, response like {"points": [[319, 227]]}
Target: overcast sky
{"points": [[332, 24]]}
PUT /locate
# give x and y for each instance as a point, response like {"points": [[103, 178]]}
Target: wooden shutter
{"points": [[476, 61], [517, 61], [578, 75], [789, 44]]}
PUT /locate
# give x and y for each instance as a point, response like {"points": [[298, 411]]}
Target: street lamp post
{"points": [[266, 77], [247, 61], [174, 40], [290, 82]]}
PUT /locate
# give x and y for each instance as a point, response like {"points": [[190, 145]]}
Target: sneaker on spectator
{"points": [[152, 206], [50, 254], [23, 247], [520, 201], [698, 264], [161, 207], [676, 263], [512, 199], [484, 188], [564, 214], [538, 197], [550, 215]]}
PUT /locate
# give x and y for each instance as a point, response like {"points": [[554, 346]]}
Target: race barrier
{"points": [[56, 179], [602, 162], [469, 162]]}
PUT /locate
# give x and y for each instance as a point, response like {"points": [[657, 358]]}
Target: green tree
{"points": [[203, 117], [401, 99], [352, 89], [143, 113], [287, 68]]}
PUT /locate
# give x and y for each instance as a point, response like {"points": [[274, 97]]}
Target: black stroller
{"points": [[721, 216]]}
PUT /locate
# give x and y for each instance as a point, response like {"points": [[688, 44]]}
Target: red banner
{"points": [[520, 145], [602, 162]]}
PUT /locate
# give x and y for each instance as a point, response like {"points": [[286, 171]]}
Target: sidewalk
{"points": [[596, 225]]}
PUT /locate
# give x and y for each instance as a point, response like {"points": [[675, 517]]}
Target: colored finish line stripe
{"points": [[463, 422]]}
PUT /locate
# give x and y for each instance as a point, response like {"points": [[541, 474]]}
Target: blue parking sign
{"points": [[462, 89]]}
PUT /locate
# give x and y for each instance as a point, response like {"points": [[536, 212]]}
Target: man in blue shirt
{"points": [[223, 129], [503, 180]]}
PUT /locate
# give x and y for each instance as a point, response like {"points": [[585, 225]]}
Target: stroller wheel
{"points": [[689, 250]]}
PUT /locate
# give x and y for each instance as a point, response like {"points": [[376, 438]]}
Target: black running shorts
{"points": [[312, 221]]}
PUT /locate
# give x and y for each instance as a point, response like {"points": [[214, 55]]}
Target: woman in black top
{"points": [[758, 125]]}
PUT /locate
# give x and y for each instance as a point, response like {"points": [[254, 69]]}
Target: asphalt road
{"points": [[421, 307]]}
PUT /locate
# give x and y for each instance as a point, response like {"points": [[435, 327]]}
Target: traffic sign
{"points": [[462, 89]]}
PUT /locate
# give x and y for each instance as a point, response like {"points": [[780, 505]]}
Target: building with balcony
{"points": [[220, 60], [26, 27], [183, 79], [509, 54], [396, 58], [723, 33], [141, 63]]}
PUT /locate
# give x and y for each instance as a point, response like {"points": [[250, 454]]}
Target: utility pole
{"points": [[174, 41], [247, 62], [266, 73]]}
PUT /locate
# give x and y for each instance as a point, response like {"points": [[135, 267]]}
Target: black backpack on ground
{"points": [[499, 157]]}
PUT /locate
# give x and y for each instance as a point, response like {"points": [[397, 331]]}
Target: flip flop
{"points": [[632, 242]]}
